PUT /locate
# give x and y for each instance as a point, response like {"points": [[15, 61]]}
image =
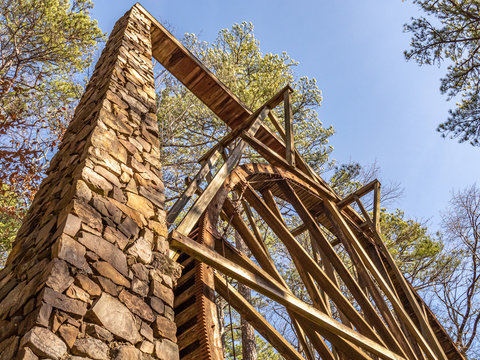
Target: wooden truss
{"points": [[361, 306]]}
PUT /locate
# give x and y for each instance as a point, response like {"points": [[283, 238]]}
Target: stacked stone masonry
{"points": [[89, 275]]}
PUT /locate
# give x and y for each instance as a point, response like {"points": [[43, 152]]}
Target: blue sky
{"points": [[383, 108]]}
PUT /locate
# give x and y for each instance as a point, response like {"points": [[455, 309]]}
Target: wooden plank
{"points": [[193, 186], [360, 192], [202, 202], [276, 160], [272, 204], [365, 279], [340, 267], [376, 207], [277, 125], [258, 251], [265, 260], [332, 208], [253, 225], [297, 251], [319, 301], [278, 97], [276, 292], [427, 330], [254, 318], [290, 139]]}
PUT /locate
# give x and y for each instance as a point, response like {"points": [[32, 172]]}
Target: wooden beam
{"points": [[376, 207], [272, 204], [352, 285], [193, 186], [275, 291], [253, 225], [202, 202], [254, 318], [427, 330], [298, 252], [265, 260], [278, 97], [269, 271], [336, 215], [276, 160], [289, 135], [276, 123], [360, 192]]}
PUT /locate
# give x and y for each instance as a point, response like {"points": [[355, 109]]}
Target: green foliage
{"points": [[46, 45], [451, 34], [11, 213], [419, 255], [345, 178], [188, 128]]}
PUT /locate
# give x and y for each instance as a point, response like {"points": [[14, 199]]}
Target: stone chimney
{"points": [[89, 275]]}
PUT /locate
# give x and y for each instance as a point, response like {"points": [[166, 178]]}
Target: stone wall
{"points": [[89, 276]]}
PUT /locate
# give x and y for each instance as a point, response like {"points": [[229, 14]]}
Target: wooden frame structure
{"points": [[364, 310]]}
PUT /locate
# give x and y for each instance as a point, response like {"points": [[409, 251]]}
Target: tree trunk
{"points": [[249, 350]]}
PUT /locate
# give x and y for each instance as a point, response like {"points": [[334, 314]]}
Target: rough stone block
{"points": [[156, 304], [147, 347], [72, 225], [140, 204], [166, 350], [139, 287], [93, 348], [108, 271], [88, 214], [137, 306], [141, 250], [98, 332], [116, 318], [63, 302], [162, 292], [26, 354], [71, 251], [68, 333], [44, 343], [88, 285], [59, 278], [76, 292], [106, 251], [8, 348], [165, 328], [115, 236]]}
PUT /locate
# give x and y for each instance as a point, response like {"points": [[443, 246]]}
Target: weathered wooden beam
{"points": [[254, 318], [300, 254], [278, 97], [360, 192], [418, 309], [276, 124], [426, 346], [193, 186], [272, 204], [276, 160], [202, 202], [274, 291], [270, 272], [376, 207], [362, 299], [289, 134], [253, 224]]}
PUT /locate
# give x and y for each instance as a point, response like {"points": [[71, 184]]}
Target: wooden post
{"points": [[193, 186], [287, 104], [202, 202], [376, 207], [276, 292]]}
